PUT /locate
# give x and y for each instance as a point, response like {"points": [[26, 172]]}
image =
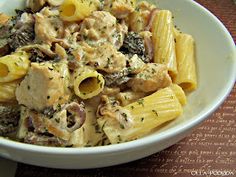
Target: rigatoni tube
{"points": [[163, 41], [7, 91], [142, 116], [179, 93], [87, 83], [77, 10], [14, 66], [186, 77]]}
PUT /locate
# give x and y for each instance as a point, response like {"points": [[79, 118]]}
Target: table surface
{"points": [[215, 139]]}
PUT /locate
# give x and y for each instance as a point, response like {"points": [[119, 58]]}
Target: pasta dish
{"points": [[80, 73]]}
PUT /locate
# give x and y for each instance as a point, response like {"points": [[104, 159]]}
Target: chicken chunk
{"points": [[42, 87], [152, 78], [106, 58], [102, 27], [139, 19], [48, 26], [119, 8]]}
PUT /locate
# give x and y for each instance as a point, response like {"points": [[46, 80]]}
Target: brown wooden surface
{"points": [[209, 151]]}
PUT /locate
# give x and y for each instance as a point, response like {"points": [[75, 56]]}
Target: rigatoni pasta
{"points": [[179, 93], [87, 83], [77, 10], [14, 66], [142, 116], [7, 91], [185, 49], [163, 40]]}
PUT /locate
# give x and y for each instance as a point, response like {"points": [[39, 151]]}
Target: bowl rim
{"points": [[148, 140]]}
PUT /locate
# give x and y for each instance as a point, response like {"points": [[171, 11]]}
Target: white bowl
{"points": [[216, 61]]}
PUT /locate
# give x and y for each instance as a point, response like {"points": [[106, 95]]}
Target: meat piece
{"points": [[48, 26], [105, 58], [9, 117], [152, 78], [44, 140], [42, 87], [134, 44], [119, 8], [102, 27], [139, 19], [135, 65], [44, 30]]}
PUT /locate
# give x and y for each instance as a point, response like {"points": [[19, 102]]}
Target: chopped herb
{"points": [[153, 71], [132, 107], [59, 107], [28, 87], [125, 116], [142, 119], [119, 138], [155, 112], [57, 120], [140, 102], [48, 97], [122, 126], [50, 68]]}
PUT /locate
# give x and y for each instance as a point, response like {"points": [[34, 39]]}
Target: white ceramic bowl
{"points": [[216, 61]]}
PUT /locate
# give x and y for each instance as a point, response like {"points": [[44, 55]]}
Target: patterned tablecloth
{"points": [[209, 151]]}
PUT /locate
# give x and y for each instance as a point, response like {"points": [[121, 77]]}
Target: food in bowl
{"points": [[89, 73]]}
